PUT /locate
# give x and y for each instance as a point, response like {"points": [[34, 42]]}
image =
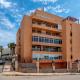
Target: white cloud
{"points": [[57, 9], [30, 12], [6, 4], [12, 7], [6, 37], [5, 21], [45, 1]]}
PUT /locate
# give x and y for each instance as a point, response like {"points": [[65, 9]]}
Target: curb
{"points": [[36, 74]]}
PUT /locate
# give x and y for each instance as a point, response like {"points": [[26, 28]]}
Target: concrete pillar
{"points": [[67, 66], [70, 65], [78, 66], [16, 65], [37, 64], [53, 67]]}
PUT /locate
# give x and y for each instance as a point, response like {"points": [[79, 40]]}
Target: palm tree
{"points": [[12, 47], [1, 48]]}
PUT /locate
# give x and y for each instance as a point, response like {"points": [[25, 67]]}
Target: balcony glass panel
{"points": [[46, 48], [46, 40]]}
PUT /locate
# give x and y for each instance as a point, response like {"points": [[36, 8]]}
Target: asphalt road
{"points": [[63, 77]]}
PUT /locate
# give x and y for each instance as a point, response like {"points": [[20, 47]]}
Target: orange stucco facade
{"points": [[47, 37]]}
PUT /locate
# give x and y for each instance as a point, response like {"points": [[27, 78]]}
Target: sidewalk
{"points": [[36, 74]]}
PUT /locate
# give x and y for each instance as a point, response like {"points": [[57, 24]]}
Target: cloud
{"points": [[57, 9], [30, 11], [6, 37], [45, 1], [16, 12], [6, 22], [60, 9], [6, 4]]}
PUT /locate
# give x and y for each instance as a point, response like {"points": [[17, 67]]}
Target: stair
{"points": [[7, 67]]}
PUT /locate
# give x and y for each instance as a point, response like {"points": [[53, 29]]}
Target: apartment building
{"points": [[48, 38]]}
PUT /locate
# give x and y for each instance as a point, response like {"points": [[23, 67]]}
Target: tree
{"points": [[12, 47], [1, 48]]}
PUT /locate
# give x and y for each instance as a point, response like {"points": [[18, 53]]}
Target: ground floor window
{"points": [[47, 56]]}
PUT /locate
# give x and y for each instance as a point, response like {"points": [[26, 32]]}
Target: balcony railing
{"points": [[46, 35], [46, 44], [43, 26]]}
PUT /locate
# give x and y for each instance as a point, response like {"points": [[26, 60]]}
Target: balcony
{"points": [[44, 27], [44, 18], [46, 44], [46, 56], [45, 35], [45, 52], [48, 61]]}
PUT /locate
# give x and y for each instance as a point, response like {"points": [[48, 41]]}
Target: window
{"points": [[36, 48], [71, 48], [40, 39], [51, 58], [38, 31], [60, 57], [35, 38], [55, 57], [48, 33], [57, 41], [55, 26], [34, 30], [71, 41], [70, 33], [51, 41], [46, 48], [46, 40], [47, 56], [60, 41]]}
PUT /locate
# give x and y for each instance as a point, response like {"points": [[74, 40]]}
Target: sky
{"points": [[12, 12]]}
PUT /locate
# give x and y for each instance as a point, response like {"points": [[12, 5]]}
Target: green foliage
{"points": [[1, 48], [11, 45]]}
